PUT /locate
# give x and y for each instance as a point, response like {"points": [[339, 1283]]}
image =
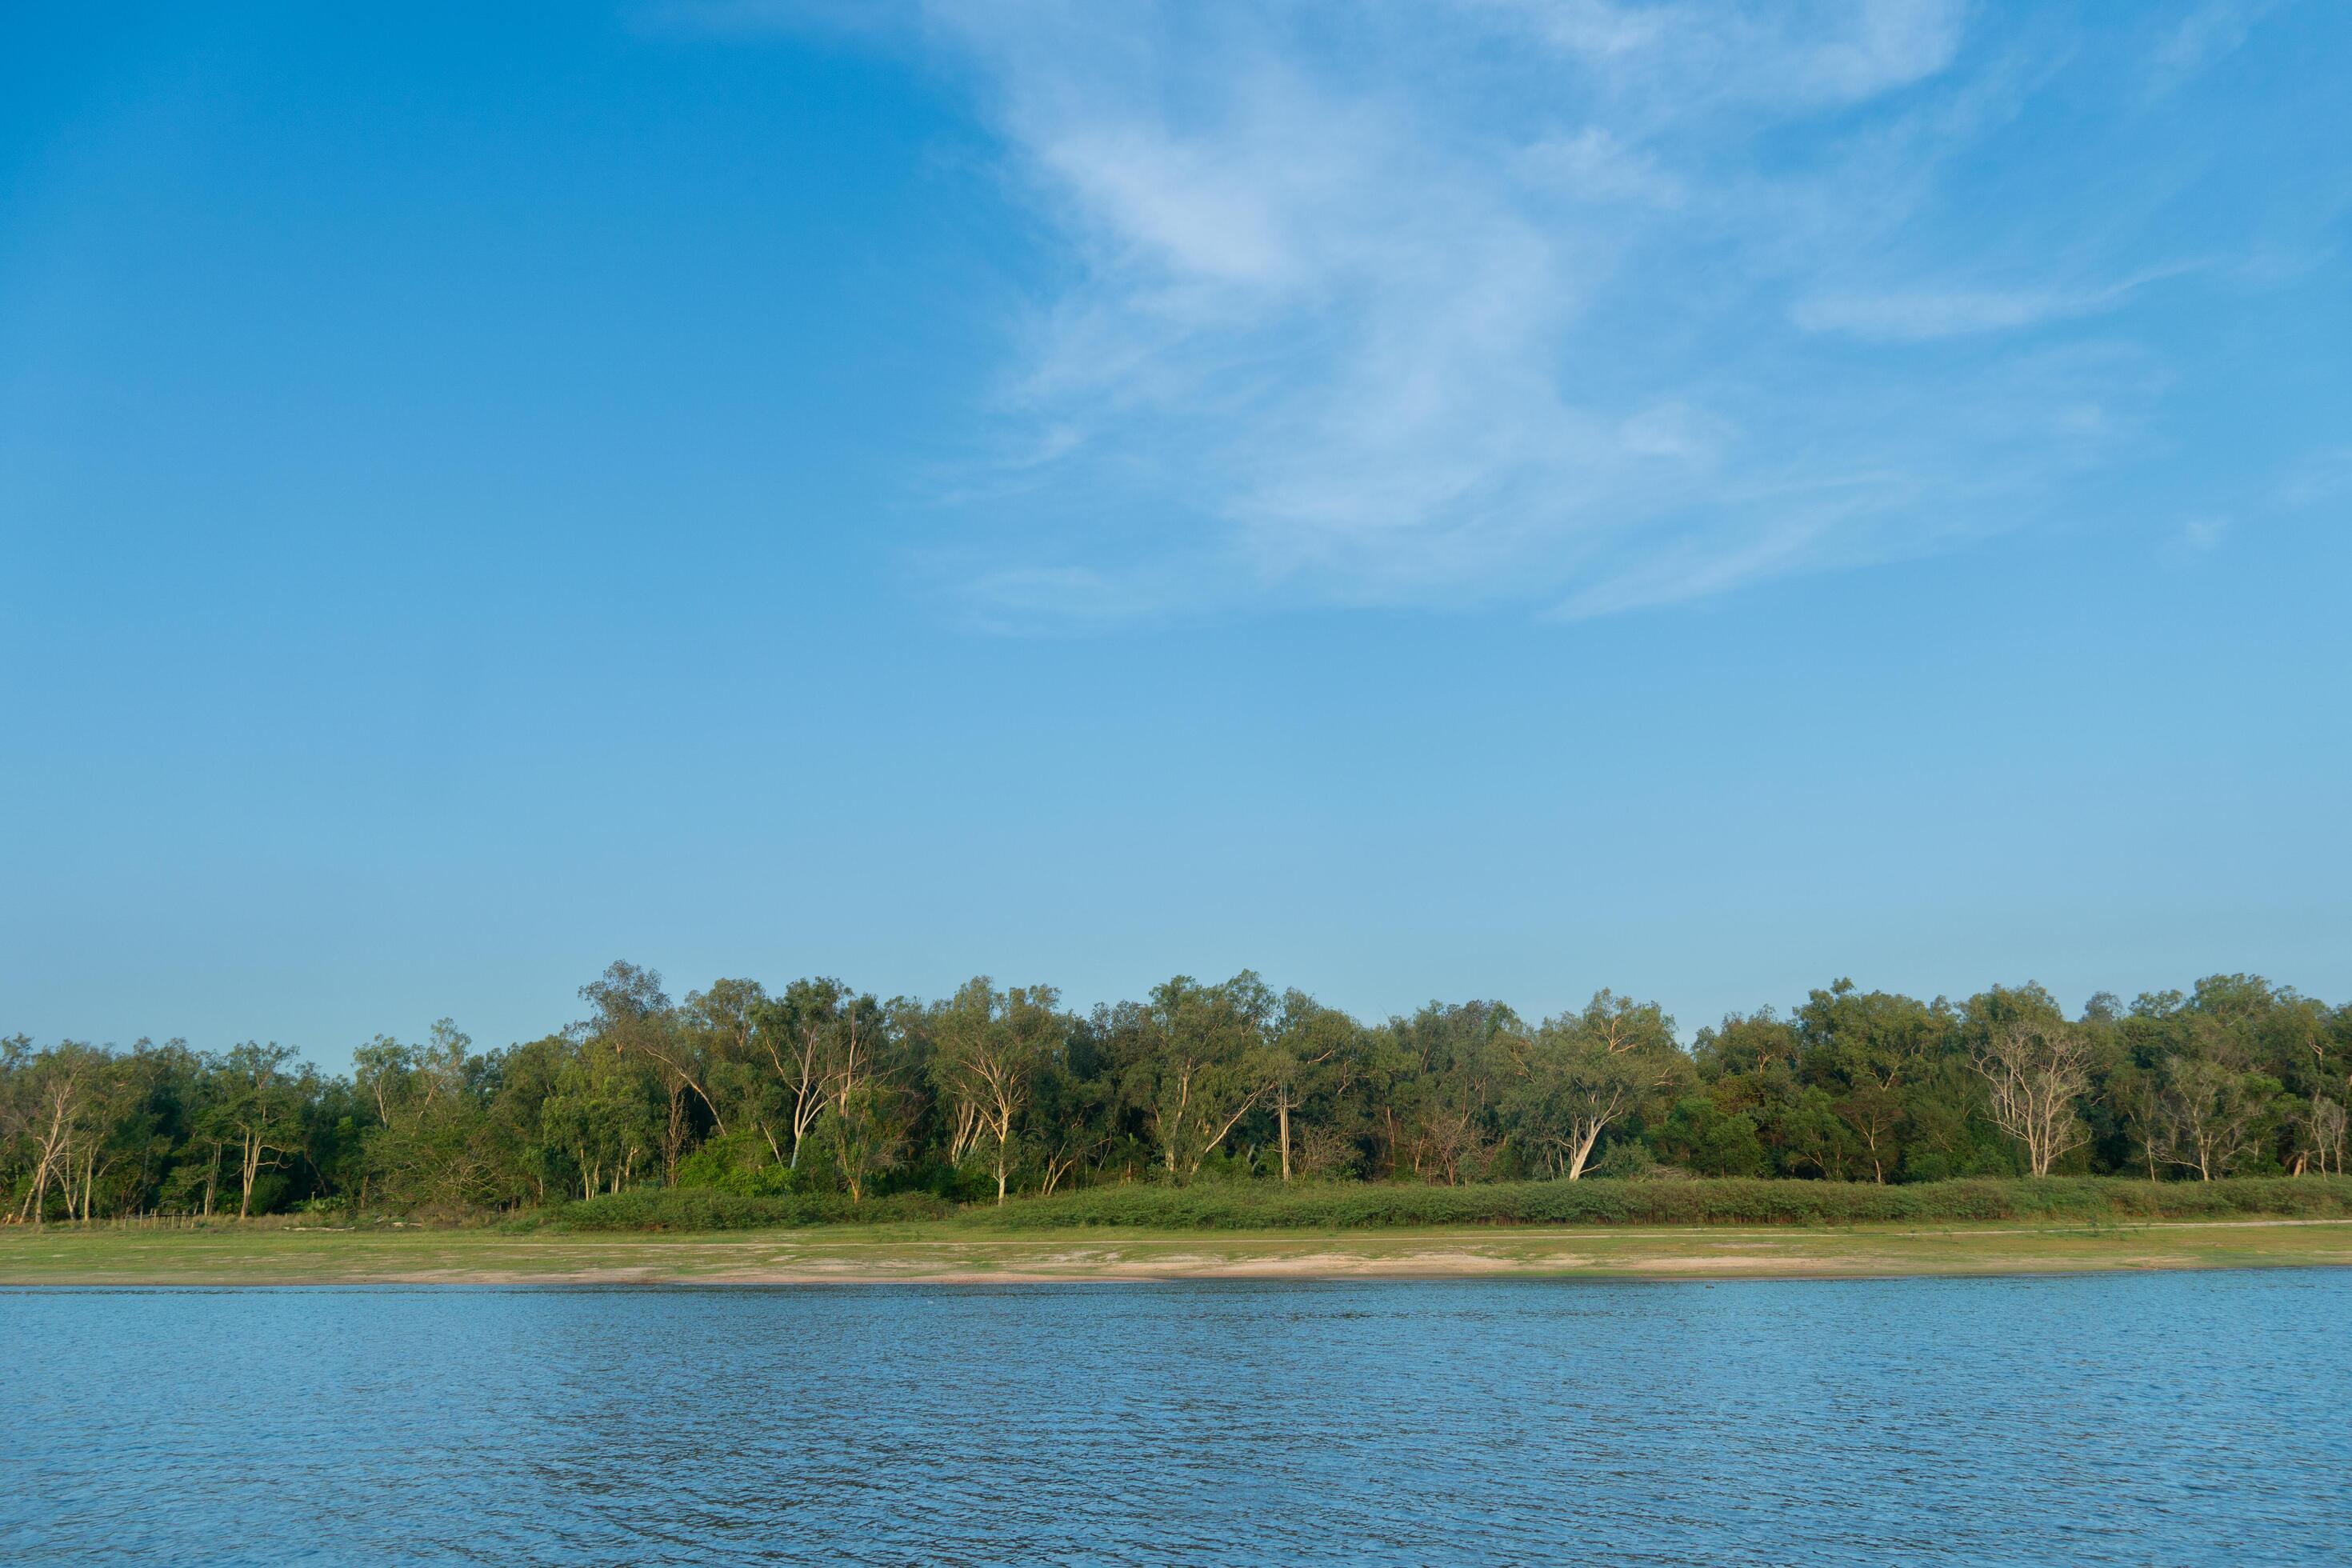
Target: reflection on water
{"points": [[2175, 1418]]}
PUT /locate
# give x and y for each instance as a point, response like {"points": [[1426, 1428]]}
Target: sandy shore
{"points": [[959, 1255]]}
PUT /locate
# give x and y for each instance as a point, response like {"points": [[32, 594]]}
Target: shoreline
{"points": [[951, 1255]]}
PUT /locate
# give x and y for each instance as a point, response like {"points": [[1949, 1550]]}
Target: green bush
{"points": [[1349, 1206], [1727, 1200], [707, 1208]]}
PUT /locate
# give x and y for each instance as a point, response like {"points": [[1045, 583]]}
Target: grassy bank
{"points": [[1600, 1229], [948, 1252], [1265, 1206]]}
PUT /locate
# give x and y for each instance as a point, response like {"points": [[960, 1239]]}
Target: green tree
{"points": [[259, 1113], [1706, 1141], [1314, 1054], [1203, 1067], [1582, 1074], [988, 1048]]}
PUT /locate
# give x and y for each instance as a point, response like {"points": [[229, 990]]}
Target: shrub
{"points": [[1727, 1200], [1348, 1205], [707, 1208]]}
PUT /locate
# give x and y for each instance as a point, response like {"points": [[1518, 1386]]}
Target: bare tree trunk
{"points": [[54, 1152], [674, 1136], [2036, 1072], [249, 1169], [964, 1132], [1582, 1150]]}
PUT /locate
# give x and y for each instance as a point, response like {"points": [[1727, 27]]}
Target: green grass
{"points": [[954, 1251], [1653, 1229]]}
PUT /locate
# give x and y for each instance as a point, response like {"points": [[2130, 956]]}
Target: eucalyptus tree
{"points": [[259, 1112], [2213, 1114], [1873, 1054], [2321, 1125], [1439, 1072], [1073, 1106], [1582, 1074], [1313, 1054], [720, 1027], [633, 1016], [114, 1140], [56, 1090], [1203, 1067], [988, 1048], [868, 1100], [117, 1134], [1749, 1066], [2215, 1060], [540, 1162], [2038, 1070], [601, 1118], [435, 1143], [808, 1038]]}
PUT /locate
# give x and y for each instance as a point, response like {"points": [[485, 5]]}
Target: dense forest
{"points": [[820, 1089]]}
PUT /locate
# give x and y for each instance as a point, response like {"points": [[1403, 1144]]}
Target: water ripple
{"points": [[2123, 1419]]}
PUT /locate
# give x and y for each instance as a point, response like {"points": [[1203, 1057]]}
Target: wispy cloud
{"points": [[1920, 315], [2205, 34], [1500, 299], [1044, 600], [2191, 541], [1917, 316], [2322, 475], [1694, 54]]}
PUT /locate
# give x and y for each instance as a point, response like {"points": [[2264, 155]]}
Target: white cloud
{"points": [[1500, 299], [1921, 315], [2322, 475], [2195, 537], [2205, 36], [1792, 53], [1592, 165]]}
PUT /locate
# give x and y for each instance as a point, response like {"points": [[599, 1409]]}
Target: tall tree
{"points": [[62, 1084], [865, 1115], [1314, 1051], [987, 1047], [1582, 1074], [1202, 1071], [2037, 1071], [261, 1111]]}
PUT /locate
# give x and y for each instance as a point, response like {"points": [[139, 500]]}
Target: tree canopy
{"points": [[1000, 1090]]}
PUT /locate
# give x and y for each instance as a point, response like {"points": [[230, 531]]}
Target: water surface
{"points": [[2115, 1418]]}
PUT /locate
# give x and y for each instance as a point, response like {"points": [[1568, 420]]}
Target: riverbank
{"points": [[946, 1254]]}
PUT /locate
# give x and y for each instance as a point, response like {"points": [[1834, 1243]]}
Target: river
{"points": [[2154, 1418]]}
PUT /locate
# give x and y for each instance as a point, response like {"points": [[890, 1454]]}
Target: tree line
{"points": [[997, 1092]]}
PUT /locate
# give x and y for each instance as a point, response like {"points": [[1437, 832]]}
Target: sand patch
{"points": [[1757, 1263]]}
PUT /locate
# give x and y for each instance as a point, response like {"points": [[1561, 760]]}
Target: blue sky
{"points": [[1491, 499]]}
